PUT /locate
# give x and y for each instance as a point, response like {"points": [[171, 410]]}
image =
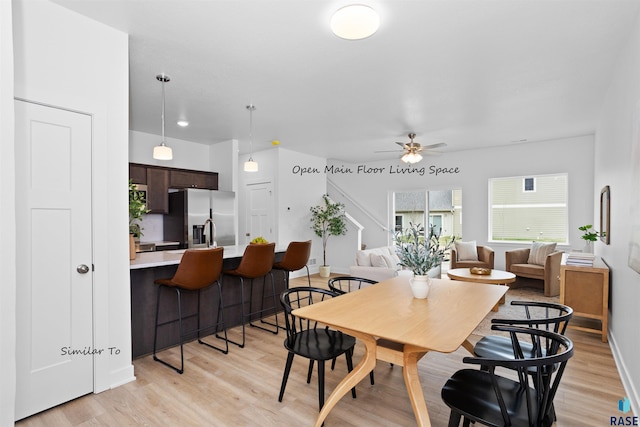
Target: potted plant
{"points": [[421, 254], [327, 219], [137, 208], [589, 235]]}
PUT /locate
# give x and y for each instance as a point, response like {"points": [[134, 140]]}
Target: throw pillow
{"points": [[467, 251], [378, 261], [391, 263], [396, 260], [539, 251], [363, 259]]}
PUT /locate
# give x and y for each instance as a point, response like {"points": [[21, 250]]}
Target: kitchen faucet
{"points": [[211, 243]]}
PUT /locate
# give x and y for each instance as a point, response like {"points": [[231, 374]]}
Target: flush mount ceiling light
{"points": [[355, 22], [250, 165], [182, 123], [162, 152]]}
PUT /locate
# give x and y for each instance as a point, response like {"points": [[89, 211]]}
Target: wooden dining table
{"points": [[395, 327]]}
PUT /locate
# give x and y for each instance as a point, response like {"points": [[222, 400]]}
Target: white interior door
{"points": [[260, 204], [54, 292]]}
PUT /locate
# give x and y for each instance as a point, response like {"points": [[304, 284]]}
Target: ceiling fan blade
{"points": [[388, 151], [402, 144], [438, 145]]}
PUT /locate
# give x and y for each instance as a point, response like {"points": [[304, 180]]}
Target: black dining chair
{"points": [[345, 284], [484, 397], [315, 342], [536, 314]]}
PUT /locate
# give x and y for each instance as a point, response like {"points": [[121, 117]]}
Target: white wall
{"points": [[64, 59], [295, 195], [7, 221], [224, 160], [615, 143], [372, 190]]}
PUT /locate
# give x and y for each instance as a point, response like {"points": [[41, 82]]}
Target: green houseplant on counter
{"points": [[137, 208], [327, 219]]}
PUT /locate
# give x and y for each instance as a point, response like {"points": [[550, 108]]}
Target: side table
{"points": [[586, 290]]}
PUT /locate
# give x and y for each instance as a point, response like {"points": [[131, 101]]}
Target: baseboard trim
{"points": [[625, 377]]}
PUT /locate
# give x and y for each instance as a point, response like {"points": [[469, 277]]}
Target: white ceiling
{"points": [[469, 73]]}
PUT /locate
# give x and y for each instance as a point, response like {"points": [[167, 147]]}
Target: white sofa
{"points": [[376, 264]]}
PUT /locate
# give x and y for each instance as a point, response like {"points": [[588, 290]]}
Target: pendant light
{"points": [[251, 165], [162, 152]]}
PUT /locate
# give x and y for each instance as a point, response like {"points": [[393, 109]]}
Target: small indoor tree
{"points": [[328, 219]]}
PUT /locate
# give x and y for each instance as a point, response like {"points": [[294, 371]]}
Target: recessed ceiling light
{"points": [[355, 22], [183, 123]]}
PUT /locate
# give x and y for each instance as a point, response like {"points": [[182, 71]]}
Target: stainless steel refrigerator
{"points": [[189, 211]]}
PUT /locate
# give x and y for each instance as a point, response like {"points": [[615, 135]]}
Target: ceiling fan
{"points": [[412, 150]]}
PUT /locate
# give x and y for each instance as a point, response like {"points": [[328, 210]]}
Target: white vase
{"points": [[420, 286], [588, 247], [325, 271]]}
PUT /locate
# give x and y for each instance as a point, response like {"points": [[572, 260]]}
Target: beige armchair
{"points": [[517, 263], [485, 258]]}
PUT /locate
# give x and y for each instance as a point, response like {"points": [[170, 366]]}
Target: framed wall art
{"points": [[605, 214]]}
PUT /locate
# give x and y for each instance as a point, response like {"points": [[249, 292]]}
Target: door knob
{"points": [[82, 269]]}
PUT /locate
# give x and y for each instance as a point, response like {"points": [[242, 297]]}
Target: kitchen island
{"points": [[149, 266]]}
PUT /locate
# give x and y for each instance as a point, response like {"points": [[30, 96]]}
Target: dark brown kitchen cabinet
{"points": [[158, 190], [138, 173], [159, 179], [193, 179]]}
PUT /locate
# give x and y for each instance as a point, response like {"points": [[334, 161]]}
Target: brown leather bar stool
{"points": [[256, 262], [295, 258], [198, 270]]}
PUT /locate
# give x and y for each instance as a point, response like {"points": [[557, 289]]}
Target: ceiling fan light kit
{"points": [[162, 151], [411, 158], [355, 22]]}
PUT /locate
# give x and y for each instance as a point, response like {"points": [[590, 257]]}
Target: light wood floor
{"points": [[241, 389]]}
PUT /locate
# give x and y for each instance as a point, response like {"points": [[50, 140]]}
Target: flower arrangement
{"points": [[137, 208], [417, 252], [328, 219], [590, 234]]}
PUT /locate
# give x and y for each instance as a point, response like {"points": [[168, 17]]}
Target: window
{"points": [[529, 184], [529, 208], [439, 208], [399, 223]]}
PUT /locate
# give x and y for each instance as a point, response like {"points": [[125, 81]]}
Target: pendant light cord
{"points": [[251, 108], [163, 81]]}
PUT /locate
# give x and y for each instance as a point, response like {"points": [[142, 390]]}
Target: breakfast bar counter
{"points": [[149, 266]]}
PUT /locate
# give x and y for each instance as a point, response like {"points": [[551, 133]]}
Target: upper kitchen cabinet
{"points": [[137, 173], [159, 179], [158, 190], [193, 179]]}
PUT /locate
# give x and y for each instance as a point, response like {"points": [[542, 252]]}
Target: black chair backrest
{"points": [[343, 284], [298, 297], [549, 316], [541, 315], [548, 367]]}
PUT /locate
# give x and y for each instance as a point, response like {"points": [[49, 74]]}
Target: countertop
{"points": [[160, 258], [162, 243]]}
